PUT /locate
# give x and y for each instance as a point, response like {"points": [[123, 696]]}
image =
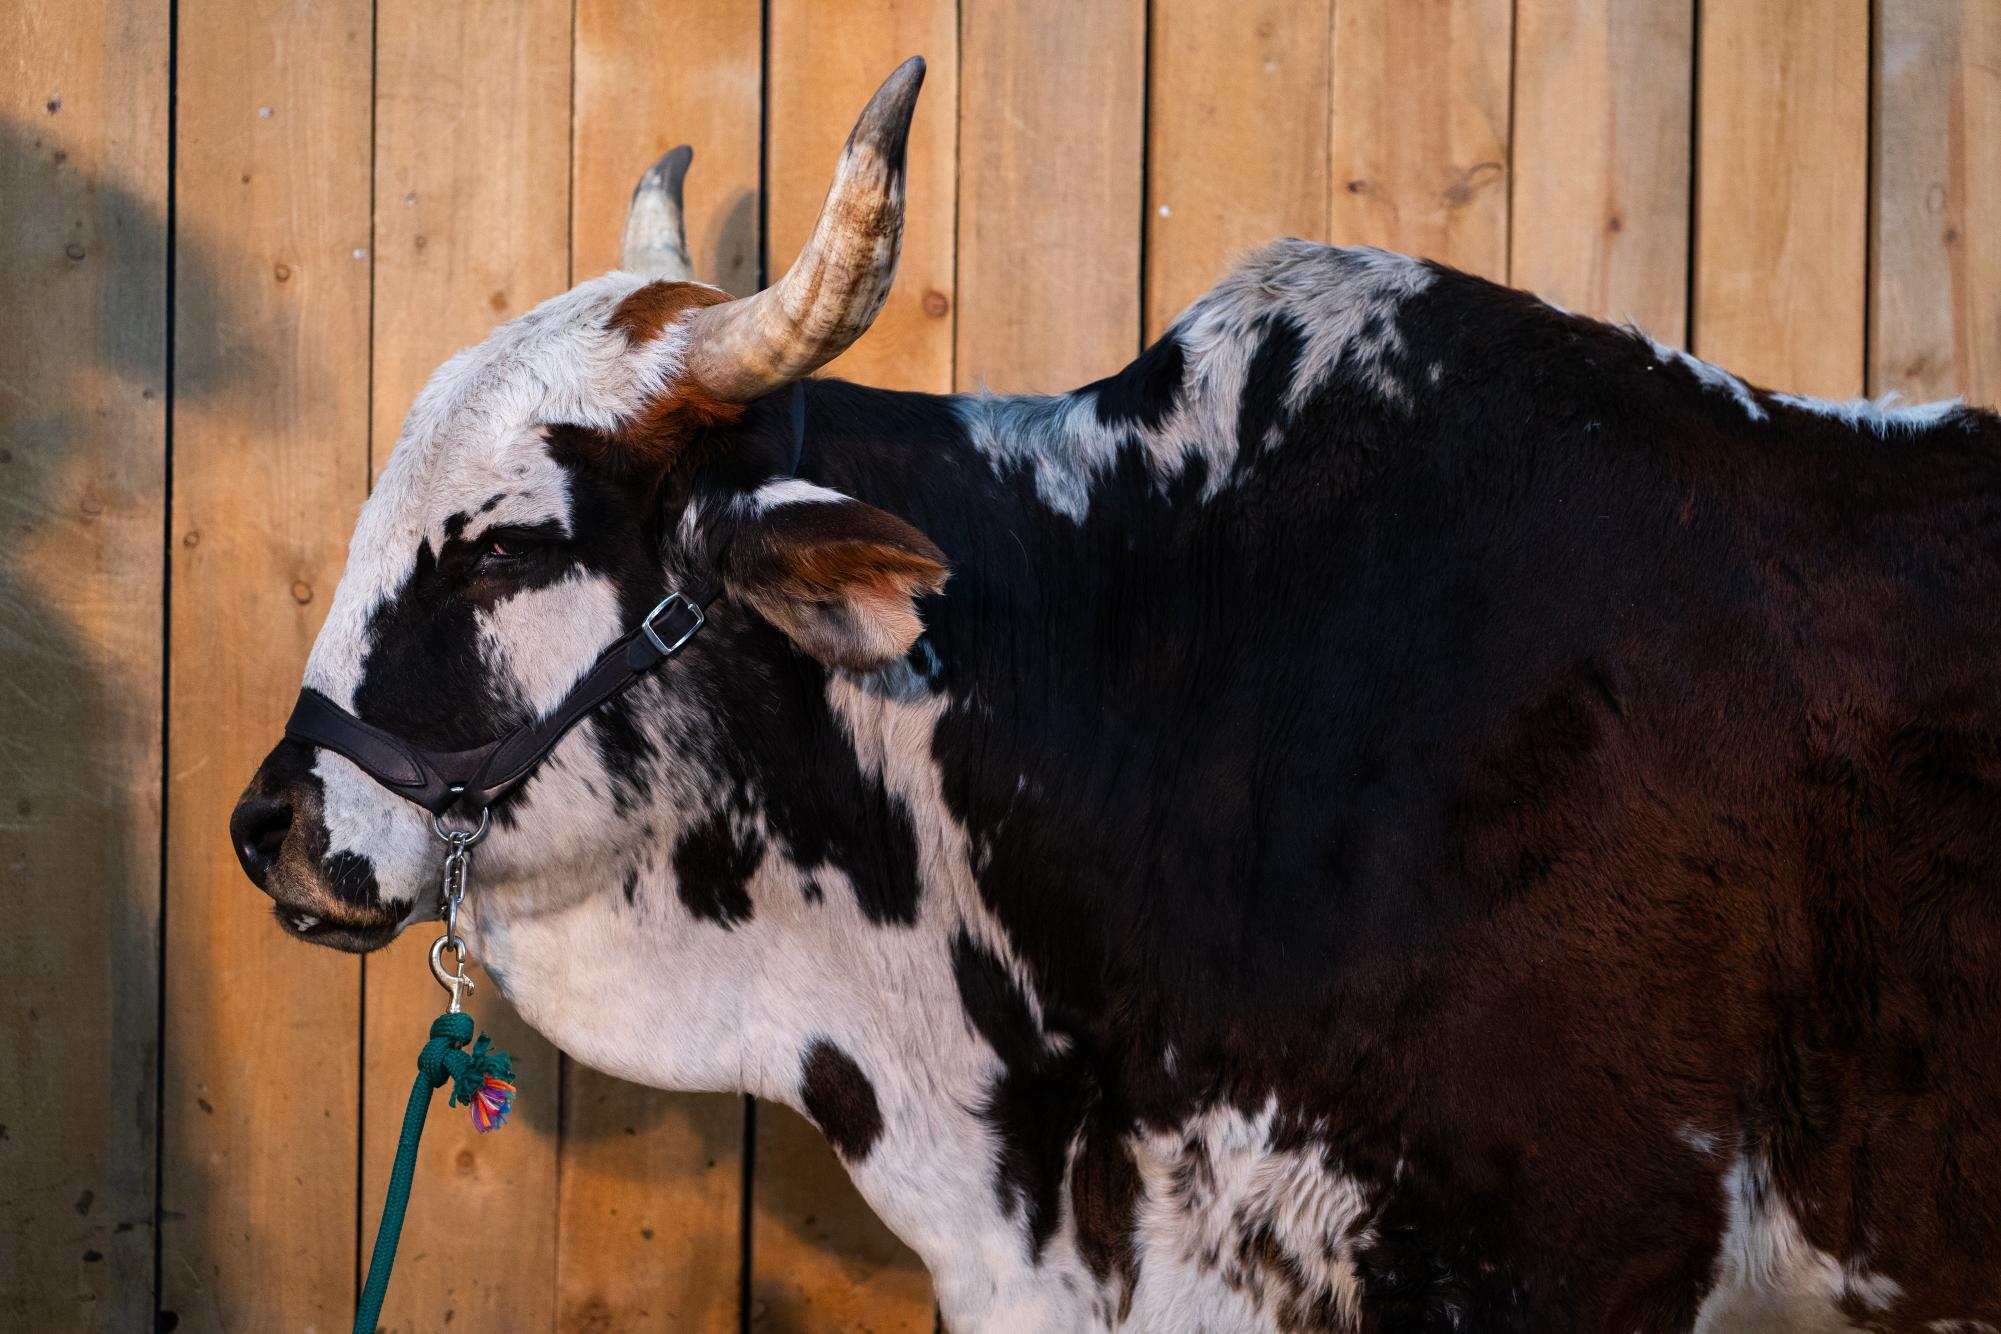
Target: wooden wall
{"points": [[237, 236]]}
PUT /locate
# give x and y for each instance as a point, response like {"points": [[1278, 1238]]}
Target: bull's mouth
{"points": [[349, 932]]}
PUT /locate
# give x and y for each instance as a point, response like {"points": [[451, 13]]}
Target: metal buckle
{"points": [[668, 650]]}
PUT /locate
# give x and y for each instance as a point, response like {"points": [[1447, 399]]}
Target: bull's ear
{"points": [[840, 578]]}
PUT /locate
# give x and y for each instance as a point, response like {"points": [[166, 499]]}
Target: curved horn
{"points": [[656, 234], [742, 350]]}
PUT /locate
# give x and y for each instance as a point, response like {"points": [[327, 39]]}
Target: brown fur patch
{"points": [[838, 1096], [662, 430], [859, 569], [1104, 1198], [643, 315]]}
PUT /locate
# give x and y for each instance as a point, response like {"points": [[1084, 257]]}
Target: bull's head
{"points": [[547, 486]]}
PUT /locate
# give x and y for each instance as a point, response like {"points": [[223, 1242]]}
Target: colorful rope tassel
{"points": [[485, 1083], [490, 1104]]}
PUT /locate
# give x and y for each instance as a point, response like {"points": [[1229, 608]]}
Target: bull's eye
{"points": [[508, 548]]}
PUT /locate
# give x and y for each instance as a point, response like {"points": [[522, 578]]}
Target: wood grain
{"points": [[1237, 139], [826, 59], [1782, 191], [1051, 111], [270, 462], [472, 175], [652, 1200], [651, 1184], [1602, 158], [1420, 129], [635, 99], [1935, 309], [83, 168]]}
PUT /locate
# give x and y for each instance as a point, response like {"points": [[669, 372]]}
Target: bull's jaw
{"points": [[650, 1002]]}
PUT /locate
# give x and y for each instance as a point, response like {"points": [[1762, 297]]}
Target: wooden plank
{"points": [[1935, 326], [827, 57], [83, 168], [820, 1258], [844, 1269], [1051, 112], [1781, 191], [270, 463], [1420, 129], [1602, 158], [651, 1183], [652, 1201], [472, 165], [635, 99], [1221, 181]]}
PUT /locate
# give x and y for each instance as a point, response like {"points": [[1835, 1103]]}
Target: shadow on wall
{"points": [[726, 254], [83, 468], [82, 501]]}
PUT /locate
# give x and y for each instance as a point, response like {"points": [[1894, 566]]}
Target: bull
{"points": [[1403, 809]]}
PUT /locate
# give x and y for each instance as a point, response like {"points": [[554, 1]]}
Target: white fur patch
{"points": [[1701, 1141], [1214, 1187], [1332, 296], [1769, 1276], [1710, 374], [541, 641], [792, 491], [394, 835], [1883, 416], [649, 991]]}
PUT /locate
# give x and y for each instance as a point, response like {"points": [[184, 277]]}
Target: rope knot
{"points": [[435, 1063]]}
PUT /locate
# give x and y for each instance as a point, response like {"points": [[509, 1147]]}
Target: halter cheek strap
{"points": [[439, 779]]}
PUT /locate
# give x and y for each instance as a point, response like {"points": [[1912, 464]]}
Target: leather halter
{"points": [[480, 776]]}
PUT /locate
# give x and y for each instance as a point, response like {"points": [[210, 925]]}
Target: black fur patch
{"points": [[713, 865], [1144, 393], [352, 877], [840, 1099], [1273, 368], [1039, 1100], [627, 753]]}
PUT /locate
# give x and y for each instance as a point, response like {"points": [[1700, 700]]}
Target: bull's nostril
{"points": [[257, 828]]}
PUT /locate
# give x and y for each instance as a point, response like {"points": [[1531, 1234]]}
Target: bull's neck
{"points": [[825, 991], [993, 722]]}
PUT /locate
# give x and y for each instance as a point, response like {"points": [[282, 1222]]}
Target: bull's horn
{"points": [[744, 349], [656, 233]]}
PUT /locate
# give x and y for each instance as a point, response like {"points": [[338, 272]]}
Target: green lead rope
{"points": [[483, 1079]]}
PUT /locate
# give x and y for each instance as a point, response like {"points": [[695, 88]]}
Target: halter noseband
{"points": [[437, 779]]}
